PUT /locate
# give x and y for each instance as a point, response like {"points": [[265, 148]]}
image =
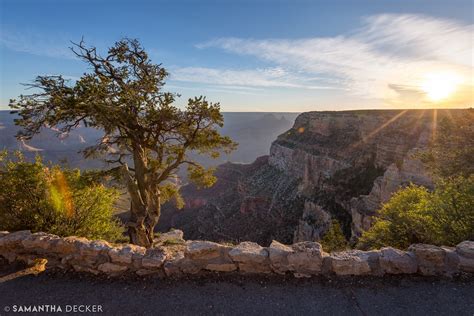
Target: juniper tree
{"points": [[146, 137]]}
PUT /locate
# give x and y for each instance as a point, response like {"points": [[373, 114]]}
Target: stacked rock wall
{"points": [[172, 256]]}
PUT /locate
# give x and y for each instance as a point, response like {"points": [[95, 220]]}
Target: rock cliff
{"points": [[340, 165]]}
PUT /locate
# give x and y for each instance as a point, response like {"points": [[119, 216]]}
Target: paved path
{"points": [[235, 295]]}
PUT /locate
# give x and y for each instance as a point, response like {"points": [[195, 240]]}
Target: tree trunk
{"points": [[141, 230], [137, 230], [145, 206]]}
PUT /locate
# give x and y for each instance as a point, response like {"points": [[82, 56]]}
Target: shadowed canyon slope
{"points": [[340, 165]]}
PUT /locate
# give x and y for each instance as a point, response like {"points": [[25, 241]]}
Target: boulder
{"points": [[394, 261], [93, 248], [251, 257], [178, 265], [278, 254], [153, 258], [199, 249], [64, 246], [71, 244], [3, 233], [248, 252], [306, 258], [451, 261], [175, 235], [39, 241], [111, 268], [125, 253], [13, 240], [353, 262], [465, 251], [466, 264], [431, 259]]}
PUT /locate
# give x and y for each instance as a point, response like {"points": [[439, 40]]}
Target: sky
{"points": [[261, 55]]}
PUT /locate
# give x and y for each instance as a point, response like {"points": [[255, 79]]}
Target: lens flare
{"points": [[60, 193]]}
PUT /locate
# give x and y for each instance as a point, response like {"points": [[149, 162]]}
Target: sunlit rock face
{"points": [[364, 207], [329, 165]]}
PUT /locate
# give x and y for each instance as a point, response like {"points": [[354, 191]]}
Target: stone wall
{"points": [[172, 256]]}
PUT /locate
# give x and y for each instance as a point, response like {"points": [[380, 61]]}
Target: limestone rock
{"points": [[94, 248], [249, 252], [394, 261], [251, 258], [14, 239], [434, 260], [63, 246], [306, 258], [40, 240], [178, 265], [313, 223], [221, 267], [175, 235], [111, 268], [199, 249], [124, 254], [353, 262], [466, 249], [364, 207], [466, 264], [278, 254], [153, 258]]}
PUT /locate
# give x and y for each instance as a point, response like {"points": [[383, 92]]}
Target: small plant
{"points": [[416, 215], [60, 201], [334, 239]]}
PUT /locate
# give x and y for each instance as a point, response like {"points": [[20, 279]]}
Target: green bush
{"points": [[334, 239], [416, 215], [57, 200]]}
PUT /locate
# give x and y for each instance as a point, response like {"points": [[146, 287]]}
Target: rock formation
{"points": [[303, 259], [340, 165]]}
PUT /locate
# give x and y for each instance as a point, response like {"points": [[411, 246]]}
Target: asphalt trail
{"points": [[236, 295]]}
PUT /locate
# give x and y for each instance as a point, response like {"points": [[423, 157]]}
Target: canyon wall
{"points": [[329, 165], [172, 256]]}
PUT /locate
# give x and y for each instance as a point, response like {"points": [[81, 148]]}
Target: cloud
{"points": [[387, 51], [36, 43], [238, 79]]}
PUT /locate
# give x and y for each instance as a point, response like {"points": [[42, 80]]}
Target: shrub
{"points": [[57, 200], [334, 239], [416, 215]]}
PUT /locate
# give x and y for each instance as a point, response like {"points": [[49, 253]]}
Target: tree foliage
{"points": [[416, 215], [146, 136], [334, 239], [61, 201]]}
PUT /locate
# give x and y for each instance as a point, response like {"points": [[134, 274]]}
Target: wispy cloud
{"points": [[247, 78], [36, 43], [386, 52]]}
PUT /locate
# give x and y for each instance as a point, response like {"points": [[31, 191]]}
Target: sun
{"points": [[439, 86]]}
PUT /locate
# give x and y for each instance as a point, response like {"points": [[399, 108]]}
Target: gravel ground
{"points": [[237, 295]]}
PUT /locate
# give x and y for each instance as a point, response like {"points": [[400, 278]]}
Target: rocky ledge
{"points": [[172, 256]]}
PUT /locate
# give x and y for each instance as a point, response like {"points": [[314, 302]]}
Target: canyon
{"points": [[329, 165]]}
